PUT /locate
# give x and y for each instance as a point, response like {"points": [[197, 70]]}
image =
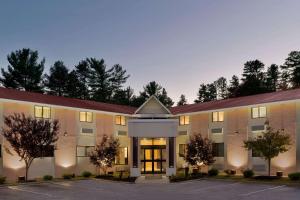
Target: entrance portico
{"points": [[152, 136]]}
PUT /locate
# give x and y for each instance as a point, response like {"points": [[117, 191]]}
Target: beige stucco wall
{"points": [[237, 155], [283, 116]]}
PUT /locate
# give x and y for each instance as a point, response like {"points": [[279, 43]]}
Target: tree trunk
{"points": [[269, 167], [26, 172]]}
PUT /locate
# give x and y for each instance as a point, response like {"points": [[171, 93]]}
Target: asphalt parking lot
{"points": [[106, 190]]}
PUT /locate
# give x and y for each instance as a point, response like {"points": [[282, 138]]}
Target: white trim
{"points": [[66, 107], [152, 97]]}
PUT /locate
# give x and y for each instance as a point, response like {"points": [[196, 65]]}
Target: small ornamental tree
{"points": [[199, 151], [30, 138], [105, 153], [269, 145]]}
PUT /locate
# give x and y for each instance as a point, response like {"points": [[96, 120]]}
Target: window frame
{"points": [[92, 117], [185, 121], [85, 151], [42, 116], [184, 146], [125, 158], [218, 116], [259, 112], [120, 124], [214, 152]]}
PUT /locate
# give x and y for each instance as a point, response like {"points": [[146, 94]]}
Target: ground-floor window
{"points": [[122, 157], [218, 149], [182, 150], [84, 151], [45, 152]]}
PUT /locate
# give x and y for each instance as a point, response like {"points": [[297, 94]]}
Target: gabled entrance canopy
{"points": [[152, 108]]}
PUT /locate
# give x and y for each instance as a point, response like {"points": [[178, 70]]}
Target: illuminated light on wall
{"points": [[14, 163], [237, 161], [283, 162]]}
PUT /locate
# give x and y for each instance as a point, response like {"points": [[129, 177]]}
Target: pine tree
{"points": [[82, 73], [24, 72], [74, 87], [165, 99], [291, 68], [206, 93], [234, 86], [182, 100], [123, 96], [56, 81], [253, 81], [221, 86], [272, 78]]}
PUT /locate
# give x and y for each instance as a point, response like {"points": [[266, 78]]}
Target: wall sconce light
{"points": [[65, 133], [236, 132]]}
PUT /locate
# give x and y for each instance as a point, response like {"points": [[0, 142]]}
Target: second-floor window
{"points": [[86, 116], [218, 116], [42, 112], [184, 120], [259, 112], [120, 120]]}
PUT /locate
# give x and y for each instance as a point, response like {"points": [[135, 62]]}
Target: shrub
{"points": [[2, 179], [68, 176], [294, 176], [230, 172], [248, 173], [213, 172], [86, 174], [48, 178]]}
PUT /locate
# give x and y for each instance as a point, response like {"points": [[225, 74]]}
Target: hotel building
{"points": [[153, 137]]}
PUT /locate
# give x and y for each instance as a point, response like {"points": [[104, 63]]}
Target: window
{"points": [[122, 157], [218, 149], [46, 152], [182, 150], [88, 131], [84, 151], [122, 133], [216, 130], [259, 112], [218, 116], [184, 120], [86, 116], [258, 128], [120, 120], [42, 112]]}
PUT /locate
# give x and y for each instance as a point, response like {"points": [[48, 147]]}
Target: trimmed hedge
{"points": [[248, 173], [86, 174], [294, 176], [68, 176], [2, 179], [47, 177], [213, 172]]}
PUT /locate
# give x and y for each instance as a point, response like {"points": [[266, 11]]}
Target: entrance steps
{"points": [[156, 179]]}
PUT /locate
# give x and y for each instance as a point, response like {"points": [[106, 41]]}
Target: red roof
{"points": [[13, 94], [239, 101]]}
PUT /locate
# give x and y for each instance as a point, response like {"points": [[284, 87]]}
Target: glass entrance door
{"points": [[153, 159]]}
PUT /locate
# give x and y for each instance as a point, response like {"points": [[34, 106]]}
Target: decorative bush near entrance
{"points": [[86, 174], [48, 178], [68, 176], [248, 173], [2, 179], [294, 176], [213, 172]]}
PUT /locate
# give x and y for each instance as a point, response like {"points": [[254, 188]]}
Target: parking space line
{"points": [[263, 190], [29, 191]]}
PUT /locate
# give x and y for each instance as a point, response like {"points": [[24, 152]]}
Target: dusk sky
{"points": [[179, 44]]}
